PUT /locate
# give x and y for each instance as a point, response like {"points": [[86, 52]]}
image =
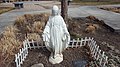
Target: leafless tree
{"points": [[64, 9]]}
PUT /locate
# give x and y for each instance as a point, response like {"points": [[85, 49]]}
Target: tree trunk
{"points": [[64, 9]]}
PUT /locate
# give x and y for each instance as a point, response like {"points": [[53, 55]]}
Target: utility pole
{"points": [[64, 10]]}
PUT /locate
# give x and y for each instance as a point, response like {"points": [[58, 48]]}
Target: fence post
{"points": [[89, 41], [38, 45], [92, 46], [21, 56], [26, 47], [24, 50], [33, 44], [73, 43], [102, 57], [105, 61], [16, 60], [28, 44], [19, 60], [96, 52], [81, 42], [77, 42], [85, 41]]}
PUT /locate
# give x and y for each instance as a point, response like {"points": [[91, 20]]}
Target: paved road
{"points": [[112, 19]]}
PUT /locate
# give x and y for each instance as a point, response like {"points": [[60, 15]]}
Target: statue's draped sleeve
{"points": [[66, 37], [64, 27], [46, 32]]}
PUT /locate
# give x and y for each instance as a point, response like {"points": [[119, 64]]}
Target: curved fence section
{"points": [[96, 52]]}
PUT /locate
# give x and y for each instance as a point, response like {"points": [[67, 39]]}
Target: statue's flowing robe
{"points": [[56, 35]]}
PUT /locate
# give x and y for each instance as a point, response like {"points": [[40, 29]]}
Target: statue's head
{"points": [[55, 10]]}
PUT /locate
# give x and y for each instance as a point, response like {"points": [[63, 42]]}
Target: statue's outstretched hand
{"points": [[45, 37]]}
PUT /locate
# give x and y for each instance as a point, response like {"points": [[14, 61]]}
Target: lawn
{"points": [[5, 9]]}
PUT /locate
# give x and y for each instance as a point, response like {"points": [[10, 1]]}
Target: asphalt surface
{"points": [[112, 19]]}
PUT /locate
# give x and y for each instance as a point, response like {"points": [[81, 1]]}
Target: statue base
{"points": [[56, 59]]}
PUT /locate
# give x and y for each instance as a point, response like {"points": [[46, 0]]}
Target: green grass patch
{"points": [[5, 9]]}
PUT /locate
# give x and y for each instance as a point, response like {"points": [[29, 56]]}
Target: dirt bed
{"points": [[80, 28], [42, 56], [107, 40]]}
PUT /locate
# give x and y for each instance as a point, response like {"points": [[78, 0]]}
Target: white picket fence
{"points": [[97, 54]]}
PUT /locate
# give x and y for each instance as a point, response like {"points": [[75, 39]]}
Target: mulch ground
{"points": [[42, 56]]}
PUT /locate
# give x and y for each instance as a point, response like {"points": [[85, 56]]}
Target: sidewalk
{"points": [[111, 19], [30, 7]]}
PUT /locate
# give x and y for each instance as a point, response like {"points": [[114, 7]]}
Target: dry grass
{"points": [[113, 9], [5, 9], [92, 18], [20, 21], [27, 26], [37, 26], [8, 44], [90, 29], [31, 23], [33, 36]]}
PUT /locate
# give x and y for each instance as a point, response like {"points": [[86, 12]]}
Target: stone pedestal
{"points": [[58, 58]]}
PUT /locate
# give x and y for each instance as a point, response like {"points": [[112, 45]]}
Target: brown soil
{"points": [[101, 34], [42, 56]]}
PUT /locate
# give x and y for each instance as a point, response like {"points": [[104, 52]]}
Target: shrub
{"points": [[90, 29], [9, 44], [20, 21], [37, 26], [33, 36]]}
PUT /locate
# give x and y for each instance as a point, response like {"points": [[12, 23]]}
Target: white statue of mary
{"points": [[56, 36]]}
